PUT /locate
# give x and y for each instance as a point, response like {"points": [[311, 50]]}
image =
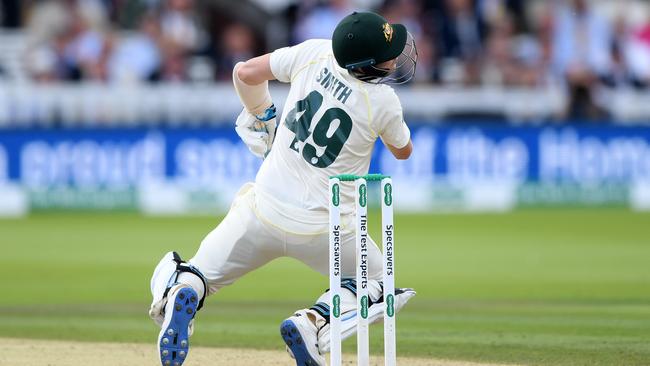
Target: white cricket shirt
{"points": [[329, 126]]}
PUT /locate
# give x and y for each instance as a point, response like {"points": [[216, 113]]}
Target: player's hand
{"points": [[257, 132], [270, 123]]}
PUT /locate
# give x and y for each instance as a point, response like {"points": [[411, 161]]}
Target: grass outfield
{"points": [[542, 287]]}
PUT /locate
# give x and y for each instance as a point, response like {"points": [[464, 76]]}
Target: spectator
{"points": [[493, 10], [581, 41], [461, 33], [470, 42], [320, 21], [581, 53], [514, 59], [620, 74], [539, 44], [179, 26], [237, 44], [88, 45], [137, 58], [427, 70], [500, 65], [47, 22], [181, 37], [637, 55], [43, 64]]}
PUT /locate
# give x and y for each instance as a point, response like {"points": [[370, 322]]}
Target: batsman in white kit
{"points": [[338, 105]]}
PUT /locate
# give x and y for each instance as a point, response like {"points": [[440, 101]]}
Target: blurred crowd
{"points": [[89, 40], [515, 43]]}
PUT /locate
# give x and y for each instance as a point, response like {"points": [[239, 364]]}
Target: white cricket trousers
{"points": [[244, 241]]}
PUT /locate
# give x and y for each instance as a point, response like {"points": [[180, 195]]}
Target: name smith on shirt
{"points": [[333, 85]]}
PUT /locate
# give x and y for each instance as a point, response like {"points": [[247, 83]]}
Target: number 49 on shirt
{"points": [[331, 141]]}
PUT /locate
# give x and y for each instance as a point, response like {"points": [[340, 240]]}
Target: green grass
{"points": [[542, 287]]}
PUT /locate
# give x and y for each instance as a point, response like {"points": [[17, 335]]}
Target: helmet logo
{"points": [[388, 32]]}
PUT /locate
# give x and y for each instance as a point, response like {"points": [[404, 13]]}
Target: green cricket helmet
{"points": [[363, 40]]}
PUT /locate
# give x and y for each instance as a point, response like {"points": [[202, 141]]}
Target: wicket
{"points": [[361, 219]]}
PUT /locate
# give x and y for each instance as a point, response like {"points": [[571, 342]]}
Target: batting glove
{"points": [[257, 132]]}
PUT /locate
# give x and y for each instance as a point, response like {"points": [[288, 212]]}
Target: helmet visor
{"points": [[401, 71]]}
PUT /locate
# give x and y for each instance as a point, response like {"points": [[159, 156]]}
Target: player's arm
{"points": [[391, 127], [250, 79], [401, 153], [256, 70], [256, 124]]}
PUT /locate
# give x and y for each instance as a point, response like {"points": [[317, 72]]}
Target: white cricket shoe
{"points": [[300, 336], [173, 340]]}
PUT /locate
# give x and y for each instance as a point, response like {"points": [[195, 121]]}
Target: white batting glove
{"points": [[257, 132]]}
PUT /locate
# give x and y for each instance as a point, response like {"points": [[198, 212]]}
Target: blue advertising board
{"points": [[123, 159]]}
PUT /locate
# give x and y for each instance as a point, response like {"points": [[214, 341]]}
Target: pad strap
{"points": [[350, 284], [323, 310], [183, 266]]}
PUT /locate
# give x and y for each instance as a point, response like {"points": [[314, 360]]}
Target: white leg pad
{"points": [[349, 319], [165, 277]]}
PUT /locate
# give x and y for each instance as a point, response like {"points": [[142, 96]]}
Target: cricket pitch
{"points": [[30, 352]]}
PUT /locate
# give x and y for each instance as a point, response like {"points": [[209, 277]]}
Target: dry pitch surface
{"points": [[29, 352]]}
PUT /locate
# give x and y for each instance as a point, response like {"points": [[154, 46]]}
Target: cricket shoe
{"points": [[299, 334], [173, 340]]}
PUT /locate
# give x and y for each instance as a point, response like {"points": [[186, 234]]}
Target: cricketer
{"points": [[339, 103]]}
